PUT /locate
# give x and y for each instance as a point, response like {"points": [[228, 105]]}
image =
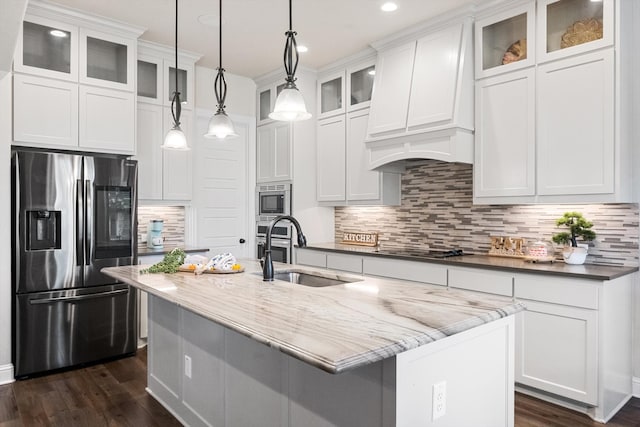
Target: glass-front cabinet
{"points": [[149, 79], [345, 89], [569, 27], [47, 48], [360, 84], [107, 60], [505, 41], [267, 100]]}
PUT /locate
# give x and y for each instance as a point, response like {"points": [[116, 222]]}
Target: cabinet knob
{"points": [[242, 240]]}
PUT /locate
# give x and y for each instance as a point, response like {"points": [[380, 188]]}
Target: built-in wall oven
{"points": [[280, 249]]}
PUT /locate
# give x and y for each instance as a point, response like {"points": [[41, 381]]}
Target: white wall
{"points": [[241, 92], [6, 369], [10, 22]]}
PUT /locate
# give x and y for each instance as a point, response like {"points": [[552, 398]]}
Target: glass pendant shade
{"points": [[220, 126], [290, 106], [175, 140]]}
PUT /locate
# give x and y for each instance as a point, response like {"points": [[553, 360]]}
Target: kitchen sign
{"points": [[362, 239]]}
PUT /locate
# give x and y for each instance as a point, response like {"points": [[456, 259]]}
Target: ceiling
{"points": [[253, 30]]}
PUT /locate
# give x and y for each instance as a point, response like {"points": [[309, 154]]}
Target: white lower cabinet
{"points": [[557, 348], [435, 274], [345, 262], [311, 258], [162, 174], [493, 282]]}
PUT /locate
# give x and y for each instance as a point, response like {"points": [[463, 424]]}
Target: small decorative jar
{"points": [[539, 251]]}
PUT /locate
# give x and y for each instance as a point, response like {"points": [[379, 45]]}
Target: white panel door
{"points": [[220, 194], [576, 132], [390, 99], [435, 76], [505, 135], [331, 160], [107, 120], [177, 166], [149, 151], [45, 111], [362, 183]]}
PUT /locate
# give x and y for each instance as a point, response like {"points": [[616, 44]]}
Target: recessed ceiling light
{"points": [[388, 7], [302, 48], [58, 33]]}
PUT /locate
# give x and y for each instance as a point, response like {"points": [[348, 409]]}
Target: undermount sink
{"points": [[307, 279]]}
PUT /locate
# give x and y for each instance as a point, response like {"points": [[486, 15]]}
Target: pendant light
{"points": [[220, 125], [175, 138], [290, 103]]}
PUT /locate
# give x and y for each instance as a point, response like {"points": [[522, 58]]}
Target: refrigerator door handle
{"points": [[36, 301], [80, 215], [88, 228]]}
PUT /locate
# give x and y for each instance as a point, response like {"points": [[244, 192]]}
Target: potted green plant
{"points": [[579, 227]]}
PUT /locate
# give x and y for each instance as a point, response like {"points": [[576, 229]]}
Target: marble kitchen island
{"points": [[232, 350]]}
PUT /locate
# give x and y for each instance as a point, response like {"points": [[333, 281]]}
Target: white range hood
{"points": [[422, 103]]}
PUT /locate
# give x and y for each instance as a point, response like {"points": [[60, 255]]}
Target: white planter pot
{"points": [[573, 255]]}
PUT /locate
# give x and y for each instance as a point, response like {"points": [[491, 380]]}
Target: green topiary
{"points": [[578, 227]]}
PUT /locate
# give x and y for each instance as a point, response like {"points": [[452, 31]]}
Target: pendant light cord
{"points": [[220, 83], [290, 53], [176, 95]]}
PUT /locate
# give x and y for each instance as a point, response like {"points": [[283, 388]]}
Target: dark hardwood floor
{"points": [[113, 394]]}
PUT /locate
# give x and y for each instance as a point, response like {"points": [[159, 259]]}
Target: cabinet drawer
{"points": [[351, 263], [311, 258], [574, 292], [492, 282], [406, 270]]}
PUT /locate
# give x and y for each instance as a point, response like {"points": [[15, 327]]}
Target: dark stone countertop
{"points": [[558, 268]]}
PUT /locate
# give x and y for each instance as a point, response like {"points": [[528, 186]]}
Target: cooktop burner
{"points": [[427, 253]]}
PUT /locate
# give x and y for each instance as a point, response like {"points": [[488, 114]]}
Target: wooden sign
{"points": [[362, 239]]}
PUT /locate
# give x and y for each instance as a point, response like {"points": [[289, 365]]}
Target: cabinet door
{"points": [[390, 101], [47, 48], [331, 89], [273, 152], [505, 135], [149, 151], [185, 82], [150, 79], [505, 41], [359, 80], [562, 23], [265, 141], [362, 183], [177, 170], [576, 133], [165, 369], [435, 77], [556, 350], [45, 111], [282, 152], [331, 160], [107, 60], [107, 120]]}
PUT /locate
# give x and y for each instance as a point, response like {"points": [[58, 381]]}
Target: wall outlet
{"points": [[187, 366], [439, 406]]}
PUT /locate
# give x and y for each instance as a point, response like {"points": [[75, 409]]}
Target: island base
{"points": [[209, 375]]}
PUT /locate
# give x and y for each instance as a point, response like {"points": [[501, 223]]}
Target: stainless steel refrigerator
{"points": [[72, 215]]}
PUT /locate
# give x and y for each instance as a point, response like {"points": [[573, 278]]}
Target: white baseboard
{"points": [[6, 374], [636, 387]]}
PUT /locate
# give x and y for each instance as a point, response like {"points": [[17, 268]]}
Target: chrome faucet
{"points": [[267, 262]]}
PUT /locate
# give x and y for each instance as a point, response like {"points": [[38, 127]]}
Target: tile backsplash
{"points": [[437, 212], [173, 224]]}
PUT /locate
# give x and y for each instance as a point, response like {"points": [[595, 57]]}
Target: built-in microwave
{"points": [[280, 249], [273, 200]]}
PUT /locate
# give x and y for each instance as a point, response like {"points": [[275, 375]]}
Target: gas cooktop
{"points": [[420, 253]]}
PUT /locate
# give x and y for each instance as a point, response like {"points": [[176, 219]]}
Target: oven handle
{"points": [[78, 298]]}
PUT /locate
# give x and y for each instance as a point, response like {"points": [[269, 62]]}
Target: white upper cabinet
{"points": [[47, 48], [107, 60], [267, 100], [83, 70], [346, 89], [569, 27], [331, 162], [505, 41], [331, 94], [422, 103], [150, 78], [561, 130], [186, 75], [273, 152], [359, 80]]}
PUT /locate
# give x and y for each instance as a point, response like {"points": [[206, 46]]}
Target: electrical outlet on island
{"points": [[439, 406]]}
